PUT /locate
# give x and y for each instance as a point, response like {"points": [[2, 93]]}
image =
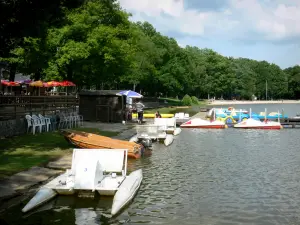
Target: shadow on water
{"points": [[67, 210]]}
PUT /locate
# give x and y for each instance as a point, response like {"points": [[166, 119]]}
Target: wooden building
{"points": [[102, 105]]}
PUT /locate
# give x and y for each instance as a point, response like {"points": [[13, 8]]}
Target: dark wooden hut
{"points": [[102, 105]]}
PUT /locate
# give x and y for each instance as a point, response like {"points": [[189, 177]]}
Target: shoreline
{"points": [[233, 102], [18, 187]]}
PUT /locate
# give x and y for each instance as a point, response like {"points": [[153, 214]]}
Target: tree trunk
{"points": [[12, 72], [69, 73], [37, 74]]}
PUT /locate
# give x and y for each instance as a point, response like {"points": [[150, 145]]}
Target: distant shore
{"points": [[233, 102]]}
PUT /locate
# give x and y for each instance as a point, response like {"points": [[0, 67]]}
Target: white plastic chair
{"points": [[80, 117], [36, 123], [69, 119], [64, 121], [29, 122], [61, 120], [75, 118], [46, 121], [43, 122]]}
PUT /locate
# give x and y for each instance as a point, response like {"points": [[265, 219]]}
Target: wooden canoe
{"points": [[93, 141]]}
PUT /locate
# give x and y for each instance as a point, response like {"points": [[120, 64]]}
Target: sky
{"points": [[256, 29]]}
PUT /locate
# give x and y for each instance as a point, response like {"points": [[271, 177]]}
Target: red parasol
{"points": [[45, 84], [5, 83], [67, 84], [12, 83], [9, 83]]}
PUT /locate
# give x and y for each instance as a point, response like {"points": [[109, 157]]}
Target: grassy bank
{"points": [[21, 153], [175, 106]]}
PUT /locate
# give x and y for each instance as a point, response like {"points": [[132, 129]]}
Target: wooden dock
{"points": [[290, 123]]}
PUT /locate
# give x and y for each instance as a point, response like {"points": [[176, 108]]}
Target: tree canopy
{"points": [[94, 44]]}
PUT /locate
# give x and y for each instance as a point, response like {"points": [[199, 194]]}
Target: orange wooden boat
{"points": [[93, 141]]}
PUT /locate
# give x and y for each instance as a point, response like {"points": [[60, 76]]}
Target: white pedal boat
{"points": [[93, 170], [257, 124], [200, 123], [169, 125]]}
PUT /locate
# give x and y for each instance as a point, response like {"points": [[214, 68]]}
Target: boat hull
{"points": [[169, 140], [127, 191], [260, 127], [177, 131], [93, 141], [42, 196]]}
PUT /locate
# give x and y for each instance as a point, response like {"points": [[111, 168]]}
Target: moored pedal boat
{"points": [[257, 124], [169, 125], [200, 123], [93, 170]]}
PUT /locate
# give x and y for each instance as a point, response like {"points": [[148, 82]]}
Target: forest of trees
{"points": [[93, 43]]}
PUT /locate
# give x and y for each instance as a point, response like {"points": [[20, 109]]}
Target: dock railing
{"points": [[13, 107]]}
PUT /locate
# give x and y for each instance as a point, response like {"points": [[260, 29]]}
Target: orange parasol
{"points": [[54, 84], [38, 83]]}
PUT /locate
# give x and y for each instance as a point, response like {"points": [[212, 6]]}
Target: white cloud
{"points": [[274, 20], [178, 19]]}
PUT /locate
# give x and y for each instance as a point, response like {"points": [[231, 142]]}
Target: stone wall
{"points": [[10, 128]]}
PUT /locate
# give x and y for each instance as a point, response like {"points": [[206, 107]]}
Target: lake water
{"points": [[205, 177]]}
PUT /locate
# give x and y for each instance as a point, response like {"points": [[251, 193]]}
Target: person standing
{"points": [[140, 110], [157, 114]]}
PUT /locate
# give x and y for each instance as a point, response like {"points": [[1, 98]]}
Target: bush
{"points": [[186, 100], [195, 100]]}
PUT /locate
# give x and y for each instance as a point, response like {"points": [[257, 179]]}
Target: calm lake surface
{"points": [[205, 177]]}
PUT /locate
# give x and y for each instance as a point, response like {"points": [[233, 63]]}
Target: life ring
{"points": [[229, 120]]}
